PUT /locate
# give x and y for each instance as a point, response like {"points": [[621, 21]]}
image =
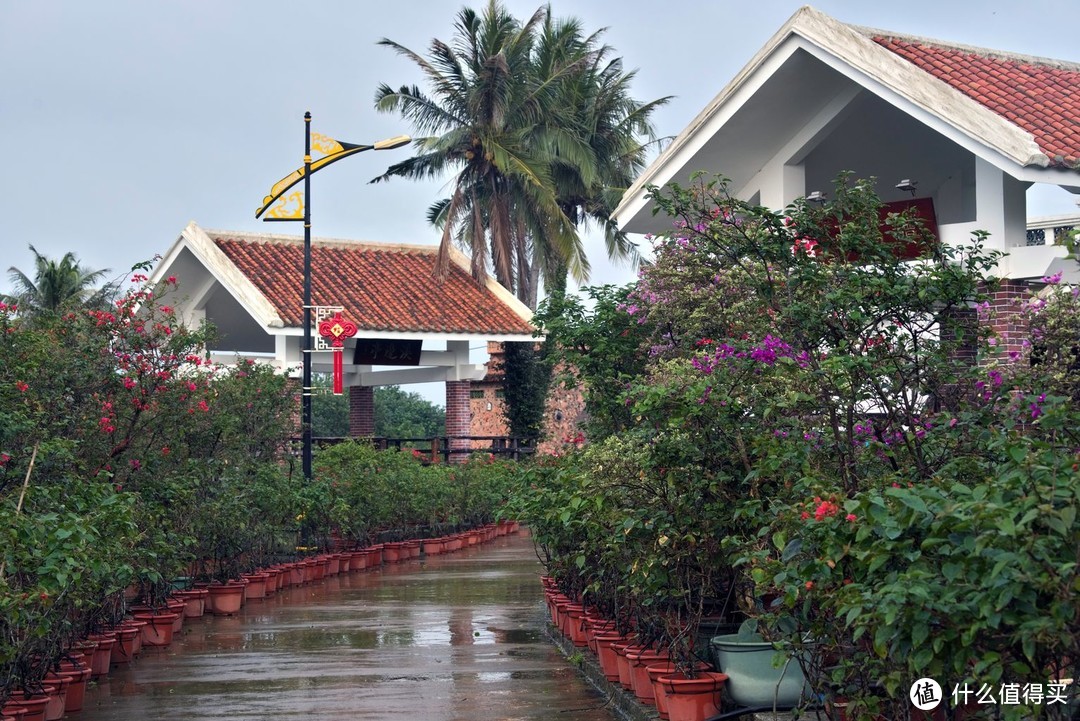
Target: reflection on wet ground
{"points": [[451, 638]]}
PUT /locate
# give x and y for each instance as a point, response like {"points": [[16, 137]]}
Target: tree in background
{"points": [[537, 121], [398, 413], [402, 414], [57, 284]]}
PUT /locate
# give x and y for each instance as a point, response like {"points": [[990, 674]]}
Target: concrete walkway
{"points": [[453, 638]]}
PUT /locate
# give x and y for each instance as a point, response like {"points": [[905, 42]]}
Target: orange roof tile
{"points": [[381, 287], [1040, 96]]}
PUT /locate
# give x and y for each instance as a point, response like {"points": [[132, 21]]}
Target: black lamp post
{"points": [[290, 210]]}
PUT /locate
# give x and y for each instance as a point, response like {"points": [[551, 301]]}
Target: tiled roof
{"points": [[1040, 96], [381, 287]]}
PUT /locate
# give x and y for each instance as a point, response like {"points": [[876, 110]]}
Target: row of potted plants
{"points": [[129, 460], [635, 662], [872, 461], [63, 689]]}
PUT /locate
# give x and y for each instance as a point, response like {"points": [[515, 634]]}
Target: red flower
{"points": [[21, 386], [4, 458], [171, 280], [851, 517], [809, 585], [826, 509]]}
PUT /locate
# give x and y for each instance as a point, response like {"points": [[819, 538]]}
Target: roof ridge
{"points": [[971, 49], [281, 238]]}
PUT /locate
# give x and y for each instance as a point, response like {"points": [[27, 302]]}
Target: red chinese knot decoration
{"points": [[335, 330]]}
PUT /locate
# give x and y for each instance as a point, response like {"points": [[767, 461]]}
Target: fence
{"points": [[438, 449]]}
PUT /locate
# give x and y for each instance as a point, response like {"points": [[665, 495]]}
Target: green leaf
{"points": [[1018, 454], [792, 549], [913, 502]]}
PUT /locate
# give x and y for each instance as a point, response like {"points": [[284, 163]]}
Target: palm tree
{"points": [[596, 103], [57, 284], [540, 129]]}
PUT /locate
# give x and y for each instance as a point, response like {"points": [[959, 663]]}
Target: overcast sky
{"points": [[121, 120]]}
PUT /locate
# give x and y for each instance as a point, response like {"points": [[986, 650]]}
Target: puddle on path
{"points": [[452, 638]]}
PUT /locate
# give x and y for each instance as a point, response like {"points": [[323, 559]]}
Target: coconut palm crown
{"points": [[535, 121], [57, 284]]}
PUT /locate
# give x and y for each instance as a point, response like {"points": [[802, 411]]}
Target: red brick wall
{"points": [[1004, 317], [361, 411], [458, 415], [293, 384], [564, 408]]}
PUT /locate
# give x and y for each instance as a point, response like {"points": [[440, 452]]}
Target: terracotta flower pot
{"points": [[226, 598], [34, 705], [433, 547], [194, 602], [660, 693], [605, 654], [99, 664], [86, 647], [76, 690], [123, 651], [575, 614], [177, 606], [56, 686], [158, 630], [392, 552], [256, 586], [13, 711], [693, 699], [626, 678], [642, 685]]}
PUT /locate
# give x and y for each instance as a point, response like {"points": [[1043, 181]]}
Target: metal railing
{"points": [[438, 449]]}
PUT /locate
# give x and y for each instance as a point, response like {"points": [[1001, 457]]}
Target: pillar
{"points": [[361, 411], [458, 418], [1007, 320]]}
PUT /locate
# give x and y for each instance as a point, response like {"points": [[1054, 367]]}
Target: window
{"points": [[476, 394]]}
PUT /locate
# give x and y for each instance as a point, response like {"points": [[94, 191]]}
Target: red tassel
{"points": [[338, 371]]}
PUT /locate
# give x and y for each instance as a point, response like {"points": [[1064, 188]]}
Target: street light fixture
{"points": [[296, 208]]}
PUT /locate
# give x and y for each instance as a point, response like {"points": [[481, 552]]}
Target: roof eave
{"points": [[224, 271], [872, 66]]}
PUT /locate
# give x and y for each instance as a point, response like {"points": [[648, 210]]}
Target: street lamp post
{"points": [[298, 208]]}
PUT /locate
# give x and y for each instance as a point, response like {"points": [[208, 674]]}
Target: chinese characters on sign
{"points": [[384, 352], [926, 694], [1012, 694]]}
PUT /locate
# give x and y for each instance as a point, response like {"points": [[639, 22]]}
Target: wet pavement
{"points": [[456, 637]]}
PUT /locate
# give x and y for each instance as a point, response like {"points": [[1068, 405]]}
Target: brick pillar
{"points": [[1005, 318], [297, 413], [361, 411], [458, 417]]}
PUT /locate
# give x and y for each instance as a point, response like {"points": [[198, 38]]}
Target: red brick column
{"points": [[458, 417], [361, 411], [1007, 321]]}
